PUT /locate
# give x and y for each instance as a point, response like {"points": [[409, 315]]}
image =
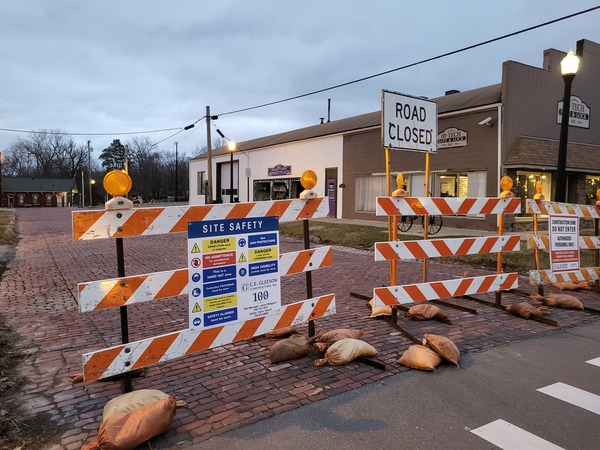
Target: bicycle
{"points": [[434, 223]]}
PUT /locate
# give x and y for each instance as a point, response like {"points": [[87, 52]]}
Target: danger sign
{"points": [[408, 123]]}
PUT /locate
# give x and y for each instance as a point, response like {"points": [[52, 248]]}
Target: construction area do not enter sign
{"points": [[408, 123], [233, 269]]}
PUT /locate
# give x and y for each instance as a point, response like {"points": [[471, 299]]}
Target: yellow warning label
{"points": [[261, 254], [242, 258], [195, 249], [196, 308], [218, 244], [220, 302]]}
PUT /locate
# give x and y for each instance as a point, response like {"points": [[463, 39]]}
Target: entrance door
{"points": [[331, 190]]}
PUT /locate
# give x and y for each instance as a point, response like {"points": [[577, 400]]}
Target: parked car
{"points": [[136, 199]]}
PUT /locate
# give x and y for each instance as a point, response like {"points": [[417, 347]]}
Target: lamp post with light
{"points": [[568, 68], [231, 146]]}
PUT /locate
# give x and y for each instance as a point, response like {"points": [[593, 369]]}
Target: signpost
{"points": [[233, 267], [564, 243]]}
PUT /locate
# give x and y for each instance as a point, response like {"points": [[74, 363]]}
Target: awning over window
{"points": [[542, 154]]}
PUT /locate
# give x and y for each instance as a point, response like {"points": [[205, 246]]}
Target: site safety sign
{"points": [[233, 269], [408, 123]]}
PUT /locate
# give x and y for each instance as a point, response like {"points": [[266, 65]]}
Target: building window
{"points": [[48, 199], [21, 199], [367, 189], [524, 186], [35, 199], [592, 184], [467, 184], [201, 183]]}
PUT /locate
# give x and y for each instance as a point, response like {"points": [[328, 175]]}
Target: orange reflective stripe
{"points": [[155, 351], [204, 340], [99, 362], [119, 294], [175, 285], [83, 222]]}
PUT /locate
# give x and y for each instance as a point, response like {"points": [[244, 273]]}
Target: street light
{"points": [[231, 146], [568, 68]]}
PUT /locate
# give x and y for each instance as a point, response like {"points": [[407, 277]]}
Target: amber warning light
{"points": [[118, 184]]}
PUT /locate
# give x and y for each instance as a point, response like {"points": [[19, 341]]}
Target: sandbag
{"points": [[377, 311], [443, 346], [296, 346], [345, 351], [525, 310], [127, 431], [131, 400], [281, 333], [324, 340], [566, 286], [565, 301], [420, 357], [425, 312]]}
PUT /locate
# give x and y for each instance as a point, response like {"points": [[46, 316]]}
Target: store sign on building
{"points": [[452, 137], [579, 115], [408, 123], [279, 170]]}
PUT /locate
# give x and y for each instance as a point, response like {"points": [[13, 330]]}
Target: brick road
{"points": [[228, 386]]}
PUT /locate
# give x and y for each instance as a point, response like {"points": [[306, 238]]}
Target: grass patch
{"points": [[8, 229], [364, 237]]}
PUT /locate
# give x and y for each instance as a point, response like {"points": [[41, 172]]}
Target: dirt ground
{"points": [[17, 430]]}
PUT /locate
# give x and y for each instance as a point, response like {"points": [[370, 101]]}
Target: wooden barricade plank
{"points": [[173, 219], [135, 355], [542, 242], [434, 290], [407, 206], [116, 292], [435, 248], [554, 208], [547, 277]]}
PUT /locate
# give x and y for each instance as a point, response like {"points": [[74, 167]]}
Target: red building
{"points": [[24, 192]]}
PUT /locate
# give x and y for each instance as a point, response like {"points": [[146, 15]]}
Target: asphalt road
{"points": [[502, 395]]}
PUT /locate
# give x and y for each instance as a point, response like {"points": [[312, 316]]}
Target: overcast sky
{"points": [[117, 66]]}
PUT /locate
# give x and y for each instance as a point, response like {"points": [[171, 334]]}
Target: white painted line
{"points": [[595, 362], [574, 396], [510, 437]]}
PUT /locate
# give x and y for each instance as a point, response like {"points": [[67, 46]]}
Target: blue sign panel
{"points": [[219, 288], [262, 268], [221, 316], [218, 273], [262, 240]]}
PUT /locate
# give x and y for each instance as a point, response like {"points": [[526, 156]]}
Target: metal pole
{"points": [[209, 195], [82, 189], [426, 217], [309, 291], [176, 165], [561, 165], [231, 178], [126, 380]]}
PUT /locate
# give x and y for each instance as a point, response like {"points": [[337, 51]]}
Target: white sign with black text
{"points": [[408, 123], [452, 137], [579, 113], [564, 243]]}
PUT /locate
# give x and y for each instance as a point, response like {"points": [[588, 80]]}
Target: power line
{"points": [[90, 134], [423, 61]]}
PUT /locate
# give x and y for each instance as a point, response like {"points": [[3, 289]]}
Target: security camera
{"points": [[487, 121]]}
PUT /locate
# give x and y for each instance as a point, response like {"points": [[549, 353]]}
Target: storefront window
{"points": [[468, 184], [277, 189], [524, 186], [48, 199], [367, 189], [201, 183], [35, 199], [592, 184]]}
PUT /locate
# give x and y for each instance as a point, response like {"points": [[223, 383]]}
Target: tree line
{"points": [[53, 154]]}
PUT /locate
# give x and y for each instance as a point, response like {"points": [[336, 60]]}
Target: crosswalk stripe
{"points": [[595, 362], [508, 436], [574, 396]]}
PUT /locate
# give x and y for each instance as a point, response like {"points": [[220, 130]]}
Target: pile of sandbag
{"points": [[431, 353], [570, 286], [565, 301], [425, 312], [341, 346], [131, 419], [378, 311]]}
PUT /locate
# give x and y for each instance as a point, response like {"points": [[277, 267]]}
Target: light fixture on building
{"points": [[568, 68]]}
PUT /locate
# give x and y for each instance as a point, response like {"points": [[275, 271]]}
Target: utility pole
{"points": [[209, 157], [90, 172], [176, 168], [82, 188]]}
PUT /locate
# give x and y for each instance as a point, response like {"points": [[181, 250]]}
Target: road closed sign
{"points": [[233, 268], [408, 123]]}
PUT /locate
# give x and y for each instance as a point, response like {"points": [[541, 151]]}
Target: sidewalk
{"points": [[228, 386]]}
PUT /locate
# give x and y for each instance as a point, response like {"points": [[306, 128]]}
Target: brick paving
{"points": [[225, 387]]}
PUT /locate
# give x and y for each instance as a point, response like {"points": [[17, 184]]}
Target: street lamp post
{"points": [[90, 172], [231, 150], [568, 67]]}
